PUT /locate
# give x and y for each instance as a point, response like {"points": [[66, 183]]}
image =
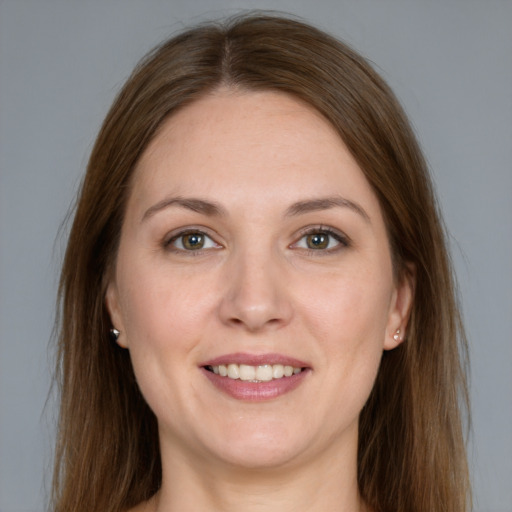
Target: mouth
{"points": [[255, 377], [258, 373]]}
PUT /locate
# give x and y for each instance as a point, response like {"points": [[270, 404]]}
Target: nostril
{"points": [[255, 304], [254, 323]]}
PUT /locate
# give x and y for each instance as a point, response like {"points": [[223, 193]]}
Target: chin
{"points": [[260, 456], [260, 446]]}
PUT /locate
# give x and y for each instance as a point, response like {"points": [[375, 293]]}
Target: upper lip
{"points": [[255, 360]]}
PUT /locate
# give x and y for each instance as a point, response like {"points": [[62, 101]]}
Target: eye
{"points": [[321, 239], [192, 241]]}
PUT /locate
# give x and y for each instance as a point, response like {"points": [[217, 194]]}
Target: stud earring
{"points": [[114, 334], [396, 336]]}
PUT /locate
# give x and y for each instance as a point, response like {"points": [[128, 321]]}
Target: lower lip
{"points": [[255, 391]]}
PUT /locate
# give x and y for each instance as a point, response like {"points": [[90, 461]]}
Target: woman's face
{"points": [[254, 246]]}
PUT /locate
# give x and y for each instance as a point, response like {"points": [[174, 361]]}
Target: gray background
{"points": [[61, 63]]}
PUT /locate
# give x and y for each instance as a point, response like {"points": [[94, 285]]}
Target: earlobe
{"points": [[400, 311], [114, 311]]}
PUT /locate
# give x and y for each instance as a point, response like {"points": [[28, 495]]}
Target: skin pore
{"points": [[252, 237]]}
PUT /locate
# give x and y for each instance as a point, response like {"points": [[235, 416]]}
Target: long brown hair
{"points": [[411, 448]]}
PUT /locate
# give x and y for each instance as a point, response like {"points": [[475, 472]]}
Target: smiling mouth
{"points": [[259, 373]]}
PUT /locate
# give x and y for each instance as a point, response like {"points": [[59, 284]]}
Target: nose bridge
{"points": [[256, 296]]}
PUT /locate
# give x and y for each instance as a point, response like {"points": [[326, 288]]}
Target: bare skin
{"points": [[252, 233]]}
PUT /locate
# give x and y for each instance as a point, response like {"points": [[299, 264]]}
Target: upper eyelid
{"points": [[176, 233], [307, 230], [324, 229], [169, 242], [342, 241]]}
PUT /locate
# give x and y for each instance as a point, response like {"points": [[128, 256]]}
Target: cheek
{"points": [[158, 304], [348, 316], [351, 307], [163, 315], [352, 324]]}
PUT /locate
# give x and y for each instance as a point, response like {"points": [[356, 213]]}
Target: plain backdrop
{"points": [[61, 63]]}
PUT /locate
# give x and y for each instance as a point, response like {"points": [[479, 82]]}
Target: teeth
{"points": [[278, 371], [261, 373], [247, 372], [233, 371]]}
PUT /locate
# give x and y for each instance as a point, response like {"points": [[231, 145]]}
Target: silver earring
{"points": [[114, 334], [396, 336]]}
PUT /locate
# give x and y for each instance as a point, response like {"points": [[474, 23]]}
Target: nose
{"points": [[256, 297]]}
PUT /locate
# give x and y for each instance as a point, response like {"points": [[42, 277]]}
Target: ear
{"points": [[400, 308], [114, 311]]}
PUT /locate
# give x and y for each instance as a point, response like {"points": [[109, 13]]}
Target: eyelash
{"points": [[342, 241], [169, 242]]}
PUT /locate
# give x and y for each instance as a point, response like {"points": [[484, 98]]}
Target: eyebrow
{"points": [[214, 209], [190, 203], [325, 203]]}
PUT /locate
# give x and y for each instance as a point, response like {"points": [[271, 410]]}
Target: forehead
{"points": [[266, 144]]}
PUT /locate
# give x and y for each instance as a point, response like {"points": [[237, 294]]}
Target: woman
{"points": [[258, 234]]}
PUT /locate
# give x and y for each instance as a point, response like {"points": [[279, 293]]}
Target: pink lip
{"points": [[255, 360], [256, 391]]}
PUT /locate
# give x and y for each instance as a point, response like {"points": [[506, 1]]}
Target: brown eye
{"points": [[193, 241], [318, 241], [322, 240]]}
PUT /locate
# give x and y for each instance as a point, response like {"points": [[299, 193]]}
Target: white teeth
{"points": [[260, 373], [233, 371], [278, 371], [264, 372], [247, 372]]}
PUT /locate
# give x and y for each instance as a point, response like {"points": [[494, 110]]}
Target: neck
{"points": [[327, 483]]}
